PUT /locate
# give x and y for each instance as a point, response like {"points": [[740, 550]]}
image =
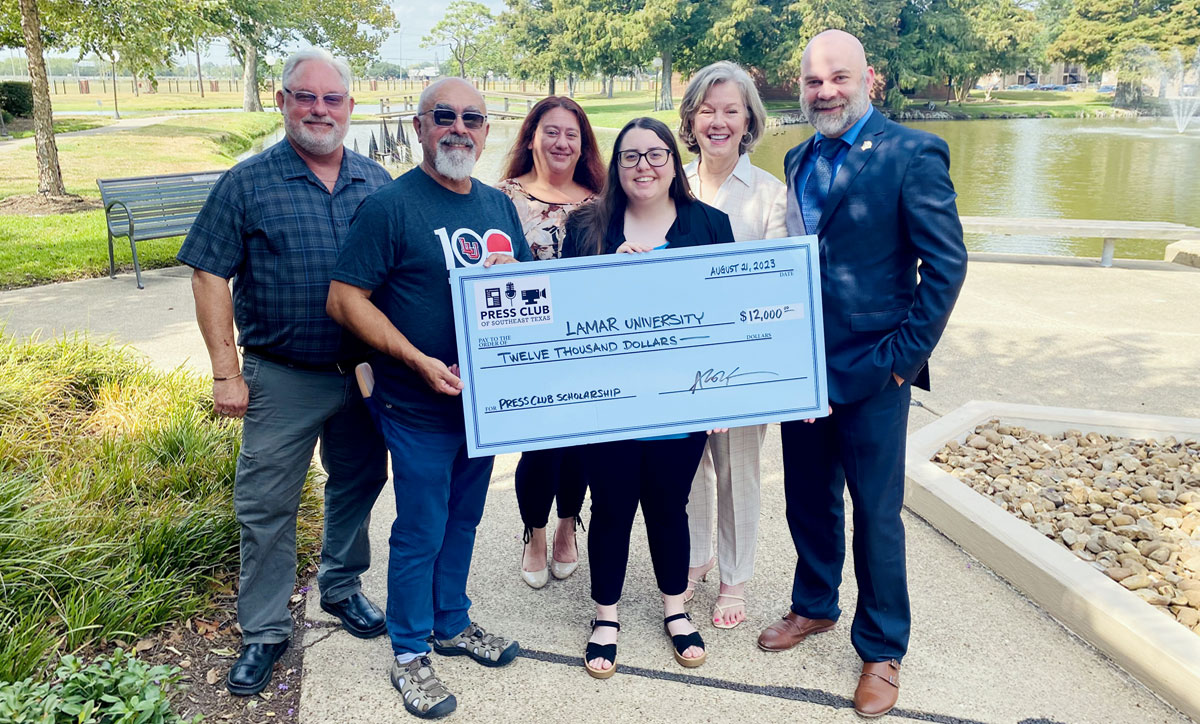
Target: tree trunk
{"points": [[50, 182], [199, 70], [1129, 94], [116, 108], [611, 81], [250, 99], [665, 103], [550, 92]]}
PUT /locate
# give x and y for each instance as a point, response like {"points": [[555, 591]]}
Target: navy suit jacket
{"points": [[890, 206]]}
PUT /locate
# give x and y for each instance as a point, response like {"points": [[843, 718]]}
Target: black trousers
{"points": [[658, 474], [543, 475]]}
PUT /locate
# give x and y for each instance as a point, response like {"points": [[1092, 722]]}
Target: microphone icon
{"points": [[510, 292]]}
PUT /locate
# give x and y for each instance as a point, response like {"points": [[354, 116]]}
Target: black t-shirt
{"points": [[403, 241]]}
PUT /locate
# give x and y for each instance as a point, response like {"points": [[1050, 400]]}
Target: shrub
{"points": [[116, 688], [116, 512], [16, 97]]}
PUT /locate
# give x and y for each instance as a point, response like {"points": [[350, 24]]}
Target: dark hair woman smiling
{"points": [[645, 205], [554, 167]]}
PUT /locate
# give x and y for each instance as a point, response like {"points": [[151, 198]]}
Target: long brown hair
{"points": [[589, 170], [594, 219]]}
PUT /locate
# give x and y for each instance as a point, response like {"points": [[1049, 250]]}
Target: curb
{"points": [[1155, 650]]}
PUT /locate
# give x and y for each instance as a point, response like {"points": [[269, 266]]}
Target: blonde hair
{"points": [[720, 72]]}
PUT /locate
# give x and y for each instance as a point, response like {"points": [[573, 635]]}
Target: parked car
{"points": [[1015, 87], [1030, 86], [1074, 86], [1107, 89], [1058, 87]]}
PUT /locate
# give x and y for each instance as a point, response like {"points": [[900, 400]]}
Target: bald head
{"points": [[451, 86], [839, 43], [837, 82]]}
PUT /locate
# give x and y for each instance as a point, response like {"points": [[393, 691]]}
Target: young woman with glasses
{"points": [[554, 167], [645, 205]]}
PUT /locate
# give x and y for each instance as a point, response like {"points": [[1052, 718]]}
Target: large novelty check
{"points": [[623, 346]]}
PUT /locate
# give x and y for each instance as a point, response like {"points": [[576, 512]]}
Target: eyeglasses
{"points": [[304, 99], [447, 117], [655, 157]]}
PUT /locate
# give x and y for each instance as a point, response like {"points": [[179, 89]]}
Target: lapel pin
{"points": [[866, 146]]}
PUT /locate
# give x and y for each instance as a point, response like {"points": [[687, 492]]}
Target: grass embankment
{"points": [[115, 500], [1031, 104], [42, 249]]}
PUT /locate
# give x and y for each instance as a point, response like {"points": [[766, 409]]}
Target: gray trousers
{"points": [[289, 411]]}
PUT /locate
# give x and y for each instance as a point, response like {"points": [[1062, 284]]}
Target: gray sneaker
{"points": [[423, 692], [486, 648]]}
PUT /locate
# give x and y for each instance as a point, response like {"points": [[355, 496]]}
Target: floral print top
{"points": [[544, 222]]}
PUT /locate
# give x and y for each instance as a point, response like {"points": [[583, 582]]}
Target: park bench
{"points": [[1110, 231], [152, 207]]}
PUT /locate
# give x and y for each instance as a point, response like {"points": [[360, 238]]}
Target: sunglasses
{"points": [[447, 117], [304, 99]]}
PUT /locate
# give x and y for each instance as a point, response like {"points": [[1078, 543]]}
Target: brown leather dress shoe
{"points": [[878, 688], [791, 630]]}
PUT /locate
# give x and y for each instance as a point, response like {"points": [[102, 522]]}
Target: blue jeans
{"points": [[439, 500]]}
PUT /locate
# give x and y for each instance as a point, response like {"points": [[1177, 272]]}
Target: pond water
{"points": [[1060, 168]]}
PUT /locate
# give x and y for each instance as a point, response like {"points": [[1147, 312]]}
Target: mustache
{"points": [[317, 119], [823, 105], [454, 139]]}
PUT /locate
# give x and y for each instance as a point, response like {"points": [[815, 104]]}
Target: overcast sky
{"points": [[416, 17]]}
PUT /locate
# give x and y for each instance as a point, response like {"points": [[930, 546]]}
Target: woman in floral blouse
{"points": [[553, 168]]}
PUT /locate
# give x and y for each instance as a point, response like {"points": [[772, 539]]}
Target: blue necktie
{"points": [[816, 188]]}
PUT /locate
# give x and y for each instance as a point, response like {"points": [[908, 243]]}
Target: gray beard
{"points": [[856, 107], [312, 143], [456, 164]]}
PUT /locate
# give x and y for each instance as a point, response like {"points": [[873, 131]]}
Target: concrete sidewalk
{"points": [[1070, 334], [123, 124]]}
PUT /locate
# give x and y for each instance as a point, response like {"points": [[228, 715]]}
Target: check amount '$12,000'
{"points": [[576, 351]]}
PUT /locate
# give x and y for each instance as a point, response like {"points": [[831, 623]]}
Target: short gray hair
{"points": [[295, 59], [703, 81]]}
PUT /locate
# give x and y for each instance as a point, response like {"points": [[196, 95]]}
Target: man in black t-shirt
{"points": [[390, 287]]}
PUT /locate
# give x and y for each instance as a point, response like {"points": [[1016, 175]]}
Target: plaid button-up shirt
{"points": [[276, 230]]}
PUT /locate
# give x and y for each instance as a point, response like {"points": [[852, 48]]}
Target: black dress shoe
{"points": [[358, 615], [252, 671]]}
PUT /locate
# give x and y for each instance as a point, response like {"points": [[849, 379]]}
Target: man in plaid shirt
{"points": [[274, 224]]}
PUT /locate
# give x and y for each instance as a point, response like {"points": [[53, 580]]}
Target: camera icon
{"points": [[531, 296]]}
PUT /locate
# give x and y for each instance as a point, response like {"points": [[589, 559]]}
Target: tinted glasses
{"points": [[655, 157], [447, 117], [304, 99]]}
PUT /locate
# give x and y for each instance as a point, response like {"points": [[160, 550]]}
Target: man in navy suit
{"points": [[878, 196]]}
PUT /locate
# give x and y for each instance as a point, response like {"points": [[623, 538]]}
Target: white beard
{"points": [[457, 162], [317, 145], [855, 108]]}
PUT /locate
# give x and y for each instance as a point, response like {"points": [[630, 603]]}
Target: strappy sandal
{"points": [[608, 652], [719, 611], [690, 593], [683, 642]]}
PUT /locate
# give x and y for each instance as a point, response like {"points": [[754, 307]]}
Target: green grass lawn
{"points": [[23, 127], [1055, 104], [188, 143], [43, 249]]}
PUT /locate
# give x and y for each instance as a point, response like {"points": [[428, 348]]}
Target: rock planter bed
{"points": [[1060, 514], [1129, 507]]}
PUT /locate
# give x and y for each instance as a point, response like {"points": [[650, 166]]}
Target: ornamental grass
{"points": [[116, 485]]}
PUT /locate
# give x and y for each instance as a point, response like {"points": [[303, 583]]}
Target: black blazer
{"points": [[696, 223]]}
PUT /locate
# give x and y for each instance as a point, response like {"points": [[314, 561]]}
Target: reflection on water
{"points": [[1061, 168]]}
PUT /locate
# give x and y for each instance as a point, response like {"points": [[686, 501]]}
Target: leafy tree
{"points": [[999, 36], [598, 35], [464, 29]]}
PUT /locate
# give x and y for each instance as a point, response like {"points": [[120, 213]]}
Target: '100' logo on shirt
{"points": [[466, 248]]}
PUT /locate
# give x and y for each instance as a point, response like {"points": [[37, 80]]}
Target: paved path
{"points": [[1070, 334], [122, 125]]}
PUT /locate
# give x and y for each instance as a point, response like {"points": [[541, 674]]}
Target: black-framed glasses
{"points": [[655, 157], [304, 99], [447, 117]]}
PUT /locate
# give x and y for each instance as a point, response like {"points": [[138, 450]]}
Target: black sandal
{"points": [[683, 642], [608, 652]]}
